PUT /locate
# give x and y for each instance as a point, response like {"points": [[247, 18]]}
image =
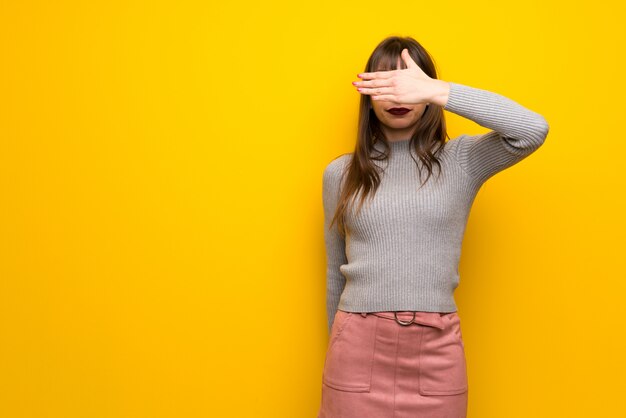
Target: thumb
{"points": [[407, 59]]}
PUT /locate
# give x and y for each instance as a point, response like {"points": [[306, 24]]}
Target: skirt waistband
{"points": [[432, 319]]}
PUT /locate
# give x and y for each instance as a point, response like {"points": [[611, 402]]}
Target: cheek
{"points": [[380, 106], [378, 110], [420, 112]]}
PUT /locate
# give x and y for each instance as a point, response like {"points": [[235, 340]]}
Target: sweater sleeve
{"points": [[334, 242], [516, 131]]}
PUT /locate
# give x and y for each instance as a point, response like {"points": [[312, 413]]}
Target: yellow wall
{"points": [[161, 250]]}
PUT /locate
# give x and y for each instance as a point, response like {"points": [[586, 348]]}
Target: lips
{"points": [[398, 111]]}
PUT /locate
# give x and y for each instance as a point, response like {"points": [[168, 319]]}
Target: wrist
{"points": [[441, 92]]}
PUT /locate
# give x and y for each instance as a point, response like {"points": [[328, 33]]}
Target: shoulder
{"points": [[336, 166], [453, 143]]}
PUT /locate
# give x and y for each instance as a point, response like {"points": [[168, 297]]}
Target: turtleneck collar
{"points": [[396, 147]]}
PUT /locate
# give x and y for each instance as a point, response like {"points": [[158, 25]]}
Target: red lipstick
{"points": [[398, 111]]}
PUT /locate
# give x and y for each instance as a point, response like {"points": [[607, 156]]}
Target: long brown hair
{"points": [[361, 174]]}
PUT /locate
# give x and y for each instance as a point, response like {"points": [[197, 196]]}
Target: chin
{"points": [[400, 124]]}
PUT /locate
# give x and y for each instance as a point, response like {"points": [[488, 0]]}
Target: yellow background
{"points": [[161, 249]]}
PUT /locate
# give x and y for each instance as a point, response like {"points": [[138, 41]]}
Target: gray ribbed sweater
{"points": [[402, 251]]}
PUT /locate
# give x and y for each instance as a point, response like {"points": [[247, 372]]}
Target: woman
{"points": [[395, 347]]}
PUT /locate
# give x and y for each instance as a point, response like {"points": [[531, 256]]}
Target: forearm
{"points": [[440, 92], [516, 131], [495, 111]]}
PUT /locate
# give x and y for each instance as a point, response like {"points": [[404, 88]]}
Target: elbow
{"points": [[536, 136], [543, 128], [532, 136]]}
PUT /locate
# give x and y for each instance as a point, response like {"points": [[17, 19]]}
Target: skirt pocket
{"points": [[443, 369], [350, 354]]}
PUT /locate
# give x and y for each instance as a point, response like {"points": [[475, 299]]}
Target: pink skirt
{"points": [[376, 367]]}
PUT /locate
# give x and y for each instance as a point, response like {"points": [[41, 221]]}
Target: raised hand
{"points": [[404, 86]]}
